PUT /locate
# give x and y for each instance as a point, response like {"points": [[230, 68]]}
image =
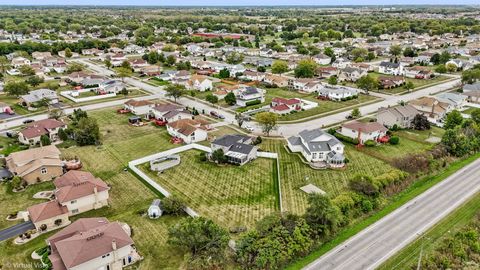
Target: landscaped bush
{"points": [[172, 206], [370, 143], [364, 184], [253, 102], [345, 138], [394, 140]]}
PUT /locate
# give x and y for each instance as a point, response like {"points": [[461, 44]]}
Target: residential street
{"points": [[375, 244], [16, 230]]}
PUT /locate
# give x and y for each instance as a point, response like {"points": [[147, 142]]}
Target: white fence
{"points": [[68, 94], [134, 163]]}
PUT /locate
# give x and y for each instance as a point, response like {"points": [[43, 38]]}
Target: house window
{"points": [[74, 211], [43, 170], [74, 201]]}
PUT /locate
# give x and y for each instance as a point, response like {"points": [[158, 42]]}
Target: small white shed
{"points": [[154, 211]]}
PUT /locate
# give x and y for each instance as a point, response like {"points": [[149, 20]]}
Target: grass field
{"points": [[469, 110], [429, 241], [230, 195], [295, 174], [128, 195], [418, 83]]}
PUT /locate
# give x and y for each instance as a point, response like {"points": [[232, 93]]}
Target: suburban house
{"points": [[306, 85], [390, 68], [283, 105], [139, 107], [237, 148], [336, 92], [326, 72], [351, 74], [322, 59], [433, 109], [317, 145], [92, 243], [402, 116], [390, 82], [253, 76], [418, 72], [75, 192], [363, 131], [36, 164], [275, 80], [472, 91], [456, 100], [37, 95], [248, 95], [110, 86], [200, 82], [170, 112], [20, 61], [32, 133], [188, 130]]}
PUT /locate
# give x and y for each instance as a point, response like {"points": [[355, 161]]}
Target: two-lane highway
{"points": [[374, 245]]}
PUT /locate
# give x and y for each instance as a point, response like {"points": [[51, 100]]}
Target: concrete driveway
{"points": [[16, 230]]}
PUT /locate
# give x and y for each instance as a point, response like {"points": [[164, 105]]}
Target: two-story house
{"points": [[188, 130], [248, 95], [363, 131], [32, 133], [402, 116], [390, 68]]}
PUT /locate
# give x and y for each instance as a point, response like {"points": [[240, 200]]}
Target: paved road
{"points": [[16, 230], [374, 245]]}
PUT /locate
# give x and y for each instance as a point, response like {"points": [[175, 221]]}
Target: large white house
{"points": [[188, 130], [390, 68], [336, 92], [317, 145], [248, 95]]}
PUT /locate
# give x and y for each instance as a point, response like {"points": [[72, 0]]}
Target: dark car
{"points": [[26, 121]]}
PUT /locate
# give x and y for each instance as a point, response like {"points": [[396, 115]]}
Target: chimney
{"points": [[114, 244]]}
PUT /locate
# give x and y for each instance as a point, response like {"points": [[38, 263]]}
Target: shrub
{"points": [[367, 206], [394, 140], [173, 206], [345, 138], [253, 102], [364, 184], [370, 143], [202, 157]]}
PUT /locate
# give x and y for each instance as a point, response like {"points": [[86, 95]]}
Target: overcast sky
{"points": [[234, 2]]}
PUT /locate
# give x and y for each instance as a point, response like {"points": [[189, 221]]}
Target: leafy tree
{"points": [[62, 134], [355, 113], [453, 119], [108, 63], [279, 67], [457, 142], [230, 99], [441, 69], [126, 65], [409, 52], [470, 76], [87, 132], [26, 70], [224, 73], [420, 122], [68, 53], [56, 114], [234, 58], [451, 67], [395, 50], [305, 68], [332, 80], [34, 80], [74, 67], [123, 72], [409, 86], [172, 205], [205, 240], [16, 88], [359, 53], [78, 114], [367, 83], [45, 140], [170, 60], [175, 91], [370, 56], [364, 184], [475, 115], [218, 156], [444, 57], [268, 121], [211, 98], [322, 215], [4, 64]]}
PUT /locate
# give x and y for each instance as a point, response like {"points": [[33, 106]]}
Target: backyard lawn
{"points": [[418, 83], [230, 195], [295, 174]]}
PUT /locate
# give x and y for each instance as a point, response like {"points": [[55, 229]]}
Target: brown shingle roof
{"points": [[26, 161], [137, 103], [365, 127], [77, 184], [39, 128], [187, 126], [83, 246], [42, 211]]}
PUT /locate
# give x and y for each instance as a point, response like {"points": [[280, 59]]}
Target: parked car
{"points": [[249, 128], [26, 121], [216, 115]]}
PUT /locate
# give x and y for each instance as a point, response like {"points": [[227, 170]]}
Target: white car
{"points": [[249, 128]]}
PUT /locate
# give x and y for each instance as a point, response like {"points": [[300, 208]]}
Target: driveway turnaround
{"points": [[375, 244], [16, 230]]}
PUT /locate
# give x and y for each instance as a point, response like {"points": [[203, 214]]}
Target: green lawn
{"points": [[388, 152], [469, 110], [421, 135], [230, 195], [418, 83], [295, 174]]}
